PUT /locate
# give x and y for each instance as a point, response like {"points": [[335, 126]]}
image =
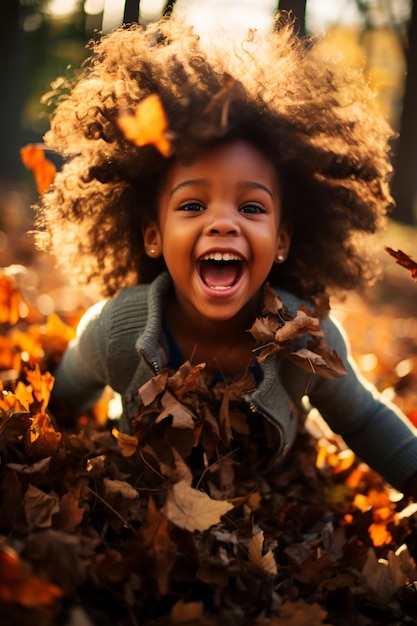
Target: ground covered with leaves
{"points": [[175, 525]]}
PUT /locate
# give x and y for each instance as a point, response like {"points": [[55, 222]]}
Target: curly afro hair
{"points": [[314, 118]]}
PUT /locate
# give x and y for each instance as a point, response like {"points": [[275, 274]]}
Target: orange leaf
{"points": [[148, 125], [44, 170], [43, 439], [9, 301], [19, 586], [41, 385], [379, 534]]}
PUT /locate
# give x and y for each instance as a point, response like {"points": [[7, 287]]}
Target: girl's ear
{"points": [[283, 242], [152, 240]]}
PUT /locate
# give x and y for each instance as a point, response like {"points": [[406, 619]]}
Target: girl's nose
{"points": [[223, 221]]}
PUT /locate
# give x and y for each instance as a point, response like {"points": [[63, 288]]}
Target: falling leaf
{"points": [[265, 562], [192, 509], [148, 126], [404, 260], [33, 157]]}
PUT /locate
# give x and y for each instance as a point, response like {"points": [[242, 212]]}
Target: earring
{"points": [[152, 251], [280, 258]]}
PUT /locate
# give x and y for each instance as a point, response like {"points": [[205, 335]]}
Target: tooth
{"points": [[218, 256]]}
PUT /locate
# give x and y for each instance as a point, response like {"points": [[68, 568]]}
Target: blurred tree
{"points": [[11, 86], [298, 10], [404, 184]]}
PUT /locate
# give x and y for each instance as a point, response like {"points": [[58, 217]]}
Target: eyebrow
{"points": [[201, 181]]}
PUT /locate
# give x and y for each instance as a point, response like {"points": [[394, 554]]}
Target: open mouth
{"points": [[220, 270]]}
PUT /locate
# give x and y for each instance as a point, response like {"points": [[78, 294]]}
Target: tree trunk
{"points": [[11, 87], [298, 10], [131, 12], [404, 184]]}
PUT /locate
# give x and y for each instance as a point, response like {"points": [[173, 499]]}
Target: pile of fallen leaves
{"points": [[177, 523]]}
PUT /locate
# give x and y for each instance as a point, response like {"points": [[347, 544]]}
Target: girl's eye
{"points": [[192, 206], [252, 208]]}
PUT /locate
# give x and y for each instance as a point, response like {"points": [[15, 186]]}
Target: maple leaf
{"points": [[9, 301], [404, 260], [33, 157], [41, 385], [19, 586], [42, 439], [265, 562], [192, 509], [148, 125]]}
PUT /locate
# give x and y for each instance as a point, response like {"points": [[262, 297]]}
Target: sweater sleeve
{"points": [[82, 374], [372, 427]]}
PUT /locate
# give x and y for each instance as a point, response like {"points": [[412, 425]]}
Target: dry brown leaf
{"points": [[115, 487], [192, 509], [153, 388], [186, 612], [39, 507], [128, 444], [171, 407], [265, 562]]}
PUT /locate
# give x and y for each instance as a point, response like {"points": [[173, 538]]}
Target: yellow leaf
{"points": [[148, 125], [264, 562], [192, 510]]}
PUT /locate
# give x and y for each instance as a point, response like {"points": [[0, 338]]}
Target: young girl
{"points": [[259, 164]]}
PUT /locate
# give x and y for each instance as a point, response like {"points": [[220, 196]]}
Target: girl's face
{"points": [[219, 230]]}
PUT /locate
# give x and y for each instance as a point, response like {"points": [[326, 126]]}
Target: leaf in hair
{"points": [[148, 125]]}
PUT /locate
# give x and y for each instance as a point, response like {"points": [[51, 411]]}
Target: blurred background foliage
{"points": [[41, 40]]}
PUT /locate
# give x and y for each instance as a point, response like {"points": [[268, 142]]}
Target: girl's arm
{"points": [[82, 374], [371, 426]]}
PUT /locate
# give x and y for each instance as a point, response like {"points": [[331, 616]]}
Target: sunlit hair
{"points": [[314, 118]]}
